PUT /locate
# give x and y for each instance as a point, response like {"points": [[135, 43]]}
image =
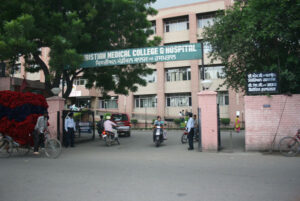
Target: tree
{"points": [[258, 36], [73, 27]]}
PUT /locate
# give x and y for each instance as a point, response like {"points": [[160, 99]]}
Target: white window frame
{"points": [[178, 100], [80, 81], [145, 101], [111, 103], [205, 20], [213, 72], [174, 25], [223, 98], [177, 74]]}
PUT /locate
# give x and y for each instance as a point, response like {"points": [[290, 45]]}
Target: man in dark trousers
{"points": [[70, 128], [38, 133], [190, 128]]}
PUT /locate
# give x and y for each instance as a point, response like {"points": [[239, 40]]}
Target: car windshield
{"points": [[119, 117]]}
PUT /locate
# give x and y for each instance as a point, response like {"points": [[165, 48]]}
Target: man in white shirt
{"points": [[70, 128], [38, 134], [108, 125], [190, 128]]}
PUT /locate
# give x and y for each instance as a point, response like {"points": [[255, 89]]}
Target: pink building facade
{"points": [[174, 85]]}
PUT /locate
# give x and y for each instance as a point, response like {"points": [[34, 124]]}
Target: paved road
{"points": [[137, 171]]}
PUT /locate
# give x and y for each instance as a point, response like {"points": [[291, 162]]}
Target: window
{"points": [[205, 20], [145, 101], [112, 103], [17, 68], [223, 98], [178, 74], [83, 103], [119, 117], [179, 24], [80, 81], [178, 100], [150, 78], [210, 73], [207, 48], [153, 27]]}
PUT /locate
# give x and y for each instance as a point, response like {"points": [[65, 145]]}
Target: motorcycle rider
{"points": [[108, 126], [157, 122]]}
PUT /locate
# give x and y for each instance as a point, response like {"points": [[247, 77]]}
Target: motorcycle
{"points": [[158, 135], [110, 138], [184, 137]]}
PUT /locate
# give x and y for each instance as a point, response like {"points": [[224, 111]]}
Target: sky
{"points": [[170, 3]]}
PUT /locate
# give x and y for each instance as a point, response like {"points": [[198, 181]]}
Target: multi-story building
{"points": [[174, 85]]}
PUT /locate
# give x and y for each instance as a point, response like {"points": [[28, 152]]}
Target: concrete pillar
{"points": [[55, 104], [207, 101]]}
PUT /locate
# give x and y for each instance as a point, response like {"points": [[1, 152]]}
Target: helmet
{"points": [[107, 117]]}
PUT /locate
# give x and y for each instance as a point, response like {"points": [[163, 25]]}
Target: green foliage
{"points": [[77, 116], [258, 36], [73, 27], [177, 121], [134, 121], [225, 121]]}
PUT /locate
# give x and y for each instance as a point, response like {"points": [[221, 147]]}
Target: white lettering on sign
{"points": [[118, 54]]}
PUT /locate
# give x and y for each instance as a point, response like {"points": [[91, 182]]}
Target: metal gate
{"points": [[199, 130], [85, 124]]}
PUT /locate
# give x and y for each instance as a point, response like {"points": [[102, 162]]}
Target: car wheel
{"points": [[128, 134]]}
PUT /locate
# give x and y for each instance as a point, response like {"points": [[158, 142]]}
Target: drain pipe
{"points": [[273, 142]]}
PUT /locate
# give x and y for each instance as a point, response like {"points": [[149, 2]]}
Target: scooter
{"points": [[110, 138], [159, 136]]}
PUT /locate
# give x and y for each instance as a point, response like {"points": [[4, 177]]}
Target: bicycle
{"points": [[5, 146], [290, 146], [52, 147]]}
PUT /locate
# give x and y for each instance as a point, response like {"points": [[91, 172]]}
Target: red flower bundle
{"points": [[19, 113]]}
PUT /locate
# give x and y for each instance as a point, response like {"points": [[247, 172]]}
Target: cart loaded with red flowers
{"points": [[18, 115]]}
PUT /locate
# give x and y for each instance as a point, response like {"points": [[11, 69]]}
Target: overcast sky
{"points": [[170, 3]]}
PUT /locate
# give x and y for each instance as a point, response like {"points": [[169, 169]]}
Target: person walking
{"points": [[237, 124], [190, 128], [38, 133], [70, 128]]}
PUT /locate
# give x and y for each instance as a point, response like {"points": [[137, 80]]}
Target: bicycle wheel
{"points": [[288, 146], [52, 148], [5, 148]]}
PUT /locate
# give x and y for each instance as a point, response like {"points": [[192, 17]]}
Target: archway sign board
{"points": [[189, 51]]}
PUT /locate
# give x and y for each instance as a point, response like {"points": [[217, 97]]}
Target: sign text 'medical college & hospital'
{"points": [[188, 51]]}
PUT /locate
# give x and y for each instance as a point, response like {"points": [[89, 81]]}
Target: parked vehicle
{"points": [[123, 123], [290, 146], [184, 137], [158, 135], [110, 138]]}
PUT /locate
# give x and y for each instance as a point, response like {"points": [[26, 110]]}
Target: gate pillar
{"points": [[56, 104], [207, 102]]}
